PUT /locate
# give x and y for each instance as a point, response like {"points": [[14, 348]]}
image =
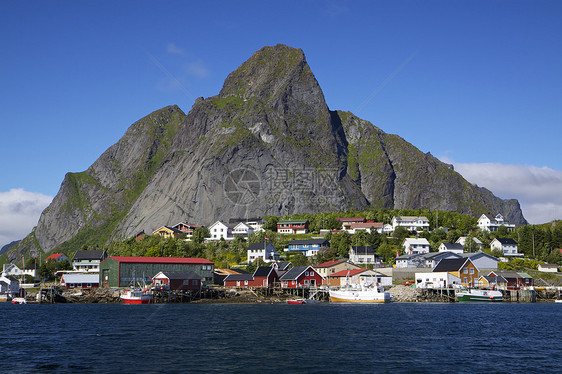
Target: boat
{"points": [[19, 300], [363, 293], [558, 301], [302, 301], [473, 294], [137, 296]]}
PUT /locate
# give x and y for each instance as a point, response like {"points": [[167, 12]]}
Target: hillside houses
{"points": [[486, 223]]}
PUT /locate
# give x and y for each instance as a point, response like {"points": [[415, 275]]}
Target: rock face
{"points": [[267, 144]]}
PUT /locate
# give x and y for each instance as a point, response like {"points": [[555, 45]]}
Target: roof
{"points": [[294, 272], [355, 219], [476, 255], [301, 221], [410, 218], [328, 264], [308, 241], [54, 256], [494, 279], [453, 246], [180, 275], [238, 277], [281, 265], [345, 273], [416, 241], [263, 271], [93, 254], [506, 241], [363, 249], [161, 260], [81, 278], [259, 246], [364, 225], [449, 264]]}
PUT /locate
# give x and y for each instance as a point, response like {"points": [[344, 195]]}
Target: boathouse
{"points": [[177, 280], [124, 271]]}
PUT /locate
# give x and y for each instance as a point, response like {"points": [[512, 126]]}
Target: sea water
{"points": [[257, 338]]}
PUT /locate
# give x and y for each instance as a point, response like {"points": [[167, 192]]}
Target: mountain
{"points": [[267, 144], [5, 248]]}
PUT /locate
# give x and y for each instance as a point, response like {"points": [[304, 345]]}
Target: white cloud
{"points": [[538, 189], [19, 213], [197, 69], [173, 49]]}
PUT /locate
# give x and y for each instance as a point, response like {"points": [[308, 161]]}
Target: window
{"points": [[465, 280], [465, 271], [471, 270], [306, 273], [245, 283]]}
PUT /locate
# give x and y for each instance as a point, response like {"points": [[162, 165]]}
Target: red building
{"points": [[265, 276], [300, 276], [292, 227], [239, 281], [177, 280]]}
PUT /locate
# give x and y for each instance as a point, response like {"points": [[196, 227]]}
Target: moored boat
{"points": [[302, 301], [360, 294], [472, 294], [19, 300], [137, 296]]}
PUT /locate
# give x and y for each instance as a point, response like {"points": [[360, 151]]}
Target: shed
{"points": [[178, 280], [80, 280]]}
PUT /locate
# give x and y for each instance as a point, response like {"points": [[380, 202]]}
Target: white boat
{"points": [[19, 300], [364, 293], [558, 301], [137, 296], [473, 294]]}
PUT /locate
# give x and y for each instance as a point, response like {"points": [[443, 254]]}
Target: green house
{"points": [[122, 271]]}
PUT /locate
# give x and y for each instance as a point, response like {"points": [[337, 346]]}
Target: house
{"points": [[121, 271], [88, 260], [442, 279], [14, 270], [515, 280], [292, 226], [220, 274], [365, 226], [140, 236], [300, 276], [219, 230], [507, 246], [167, 232], [462, 240], [548, 268], [80, 280], [358, 276], [482, 260], [177, 280], [309, 247], [488, 281], [57, 257], [415, 246], [459, 267], [187, 229], [281, 267], [364, 255], [242, 229], [9, 284], [265, 251], [346, 222], [451, 247], [424, 260], [333, 266], [387, 229], [493, 224], [238, 281], [410, 223], [265, 276]]}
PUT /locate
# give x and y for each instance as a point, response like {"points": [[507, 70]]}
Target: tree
{"points": [[400, 233], [199, 234], [298, 259]]}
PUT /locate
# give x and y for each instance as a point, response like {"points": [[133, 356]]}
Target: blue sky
{"points": [[476, 83]]}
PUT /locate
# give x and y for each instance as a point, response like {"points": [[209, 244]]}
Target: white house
{"points": [[387, 229], [415, 246], [548, 268], [15, 271], [265, 251], [242, 229], [9, 284], [478, 243], [451, 247], [364, 254], [493, 224], [440, 279], [410, 223], [366, 277], [369, 227], [219, 230], [426, 260], [257, 226], [507, 246]]}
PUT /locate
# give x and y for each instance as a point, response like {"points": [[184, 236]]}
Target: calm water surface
{"points": [[323, 338]]}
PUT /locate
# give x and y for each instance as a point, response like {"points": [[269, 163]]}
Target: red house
{"points": [[300, 276], [346, 222], [239, 281], [265, 276], [177, 280], [292, 227]]}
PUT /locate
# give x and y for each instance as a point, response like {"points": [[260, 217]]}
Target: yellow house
{"points": [[459, 267], [167, 232], [330, 267]]}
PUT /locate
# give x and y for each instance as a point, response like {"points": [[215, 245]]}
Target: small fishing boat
{"points": [[19, 300], [473, 294], [364, 293], [137, 296], [302, 301]]}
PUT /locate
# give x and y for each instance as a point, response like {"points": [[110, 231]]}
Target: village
{"points": [[415, 274]]}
